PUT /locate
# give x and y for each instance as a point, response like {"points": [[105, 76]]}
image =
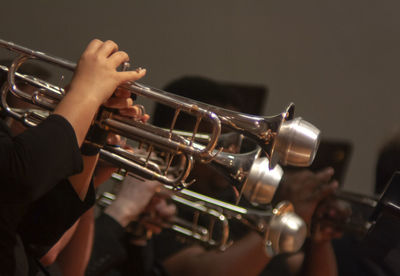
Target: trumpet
{"points": [[360, 208], [248, 172], [283, 138], [282, 230]]}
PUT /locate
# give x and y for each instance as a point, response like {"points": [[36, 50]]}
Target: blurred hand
{"points": [[329, 218], [305, 190], [132, 199], [158, 214]]}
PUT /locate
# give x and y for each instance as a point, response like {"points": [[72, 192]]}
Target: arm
{"points": [[245, 257], [319, 259], [52, 254], [306, 190], [72, 251], [74, 258], [328, 219], [109, 248], [26, 159]]}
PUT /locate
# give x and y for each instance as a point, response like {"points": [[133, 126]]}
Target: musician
{"points": [[44, 179], [121, 252], [352, 256], [247, 256]]}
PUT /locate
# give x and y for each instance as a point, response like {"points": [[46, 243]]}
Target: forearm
{"points": [[245, 257], [53, 253], [320, 259], [75, 256], [79, 108], [80, 182]]}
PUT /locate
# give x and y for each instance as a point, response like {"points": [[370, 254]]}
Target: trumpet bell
{"points": [[287, 231], [262, 182], [296, 143]]}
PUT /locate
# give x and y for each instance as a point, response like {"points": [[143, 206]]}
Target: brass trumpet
{"points": [[375, 219], [248, 172], [282, 230], [284, 138]]}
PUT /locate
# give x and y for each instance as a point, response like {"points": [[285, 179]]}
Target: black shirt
{"points": [[33, 170], [114, 254]]}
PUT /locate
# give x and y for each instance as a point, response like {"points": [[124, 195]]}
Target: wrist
{"points": [[85, 94], [319, 242]]}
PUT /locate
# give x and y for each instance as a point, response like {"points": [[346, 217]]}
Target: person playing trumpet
{"points": [[44, 177]]}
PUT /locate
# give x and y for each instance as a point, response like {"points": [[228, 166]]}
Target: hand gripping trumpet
{"points": [[367, 214], [283, 231], [283, 138]]}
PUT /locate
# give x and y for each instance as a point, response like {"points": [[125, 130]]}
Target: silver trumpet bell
{"points": [[287, 231], [295, 144], [285, 139], [262, 182], [250, 174]]}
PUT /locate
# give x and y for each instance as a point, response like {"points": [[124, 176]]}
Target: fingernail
{"points": [[330, 170], [129, 102], [140, 69]]}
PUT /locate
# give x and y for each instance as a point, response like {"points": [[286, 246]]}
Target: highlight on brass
{"points": [[283, 138], [282, 229], [296, 143], [262, 182]]}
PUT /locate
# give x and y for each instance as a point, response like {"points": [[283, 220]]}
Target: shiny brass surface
{"points": [[283, 138]]}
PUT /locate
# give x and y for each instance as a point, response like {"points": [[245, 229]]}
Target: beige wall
{"points": [[337, 60]]}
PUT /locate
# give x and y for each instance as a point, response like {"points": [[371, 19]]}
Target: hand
{"points": [[96, 73], [122, 101], [305, 189], [329, 218], [158, 214], [132, 199]]}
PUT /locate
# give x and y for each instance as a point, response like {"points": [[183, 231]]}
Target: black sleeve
{"points": [[35, 161], [108, 246], [114, 254], [48, 218], [142, 261]]}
